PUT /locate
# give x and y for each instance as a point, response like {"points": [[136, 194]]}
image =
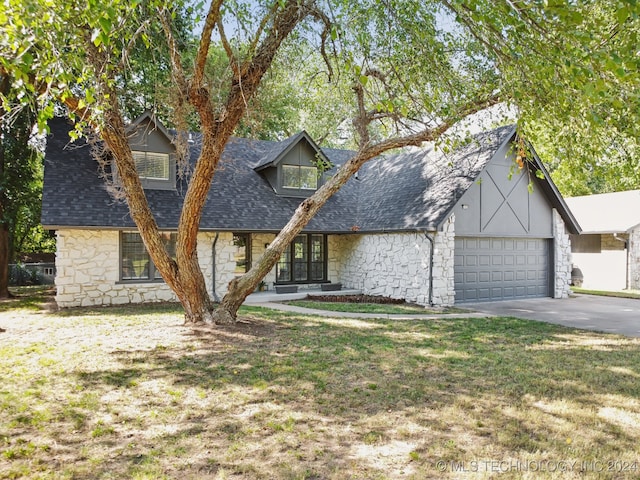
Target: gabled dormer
{"points": [[153, 153], [295, 166]]}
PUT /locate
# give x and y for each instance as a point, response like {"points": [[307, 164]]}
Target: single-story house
{"points": [[607, 252], [421, 225]]}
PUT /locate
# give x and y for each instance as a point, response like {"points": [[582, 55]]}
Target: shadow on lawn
{"points": [[292, 386]]}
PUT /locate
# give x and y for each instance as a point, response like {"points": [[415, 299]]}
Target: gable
{"points": [[153, 153], [292, 169], [505, 200], [148, 136], [418, 187]]}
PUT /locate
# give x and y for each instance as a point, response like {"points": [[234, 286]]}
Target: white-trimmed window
{"points": [[299, 177], [152, 165], [135, 262]]}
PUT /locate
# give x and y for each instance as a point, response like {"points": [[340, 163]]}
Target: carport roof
{"points": [[616, 212]]}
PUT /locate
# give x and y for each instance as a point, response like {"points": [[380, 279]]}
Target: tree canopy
{"points": [[397, 73]]}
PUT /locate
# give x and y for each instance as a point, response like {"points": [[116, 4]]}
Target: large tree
{"points": [[407, 71], [20, 181]]}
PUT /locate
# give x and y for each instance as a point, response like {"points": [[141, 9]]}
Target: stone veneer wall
{"points": [[634, 259], [562, 257], [397, 265], [87, 272], [443, 261], [88, 263]]}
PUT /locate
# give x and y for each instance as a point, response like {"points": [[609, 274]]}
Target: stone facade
{"points": [[562, 257], [88, 268], [443, 261], [87, 272], [397, 265]]}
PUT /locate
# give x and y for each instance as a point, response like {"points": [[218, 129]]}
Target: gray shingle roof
{"points": [[276, 150], [412, 190], [240, 198], [417, 188]]}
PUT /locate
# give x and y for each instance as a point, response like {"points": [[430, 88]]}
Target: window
{"points": [[151, 165], [298, 177], [304, 260], [135, 263], [242, 254], [591, 243]]}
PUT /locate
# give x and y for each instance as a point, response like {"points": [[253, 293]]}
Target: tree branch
{"points": [[433, 133], [324, 19], [213, 16], [361, 121], [472, 29], [260, 30], [233, 61], [176, 59], [131, 43]]}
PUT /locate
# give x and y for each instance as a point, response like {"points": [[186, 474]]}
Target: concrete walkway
{"points": [[271, 299]]}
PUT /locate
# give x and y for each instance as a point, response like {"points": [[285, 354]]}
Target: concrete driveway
{"points": [[605, 314]]}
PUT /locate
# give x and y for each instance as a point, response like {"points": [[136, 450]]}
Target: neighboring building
{"points": [[429, 228], [608, 249]]}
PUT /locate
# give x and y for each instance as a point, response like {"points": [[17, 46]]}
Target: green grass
{"points": [[130, 392], [620, 294], [383, 309], [27, 298]]}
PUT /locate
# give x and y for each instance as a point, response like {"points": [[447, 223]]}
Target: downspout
{"points": [[215, 296], [626, 247], [431, 243]]}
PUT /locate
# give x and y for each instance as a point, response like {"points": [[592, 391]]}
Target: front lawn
{"points": [[379, 308], [130, 392]]}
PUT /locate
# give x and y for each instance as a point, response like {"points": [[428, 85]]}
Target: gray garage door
{"points": [[501, 268]]}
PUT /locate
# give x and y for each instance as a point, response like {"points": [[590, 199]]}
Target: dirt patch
{"points": [[244, 327]]}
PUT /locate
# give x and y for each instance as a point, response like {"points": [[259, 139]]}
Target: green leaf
{"points": [[27, 58], [334, 32], [622, 14], [105, 24]]}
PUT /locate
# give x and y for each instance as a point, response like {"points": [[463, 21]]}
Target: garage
{"points": [[501, 268]]}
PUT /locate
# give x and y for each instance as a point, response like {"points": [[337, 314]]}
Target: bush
{"points": [[20, 276]]}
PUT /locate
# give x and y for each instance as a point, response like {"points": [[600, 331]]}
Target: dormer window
{"points": [[299, 177], [153, 153], [292, 166], [152, 165]]}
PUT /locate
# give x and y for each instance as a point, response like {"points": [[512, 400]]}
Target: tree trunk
{"points": [[240, 288], [4, 260], [192, 292], [4, 228]]}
